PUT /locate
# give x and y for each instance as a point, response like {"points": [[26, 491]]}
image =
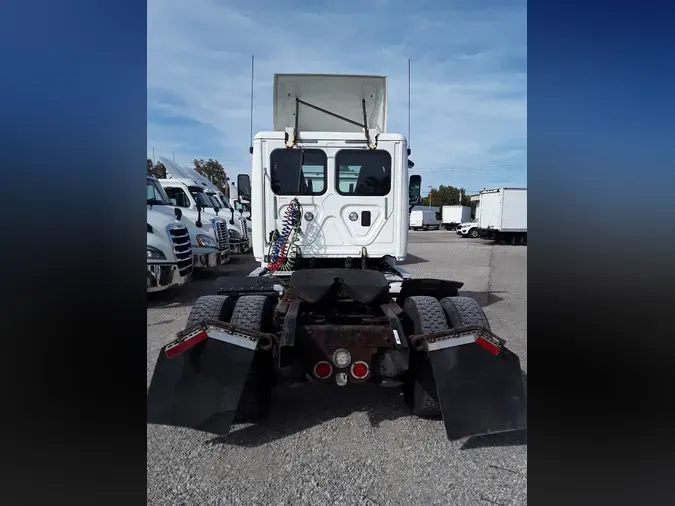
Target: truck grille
{"points": [[244, 230], [223, 238], [181, 248]]}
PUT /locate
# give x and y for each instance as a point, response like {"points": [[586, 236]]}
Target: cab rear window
{"points": [[298, 172], [364, 173]]}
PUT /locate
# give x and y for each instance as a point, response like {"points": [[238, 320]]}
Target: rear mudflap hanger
{"points": [[450, 338], [220, 331]]}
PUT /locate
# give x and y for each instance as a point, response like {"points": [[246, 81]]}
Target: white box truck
{"points": [[451, 216], [503, 215], [424, 220]]}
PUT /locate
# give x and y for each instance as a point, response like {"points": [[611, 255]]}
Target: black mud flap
{"points": [[479, 383], [199, 377]]}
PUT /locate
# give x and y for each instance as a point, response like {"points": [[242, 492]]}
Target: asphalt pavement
{"points": [[358, 446]]}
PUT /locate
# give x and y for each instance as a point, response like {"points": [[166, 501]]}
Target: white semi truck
{"points": [[208, 236], [452, 216], [330, 195], [188, 193], [169, 252], [503, 215]]}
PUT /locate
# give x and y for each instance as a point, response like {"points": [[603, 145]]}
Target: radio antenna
{"points": [[250, 148], [409, 149]]}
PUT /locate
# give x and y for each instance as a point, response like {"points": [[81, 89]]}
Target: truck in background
{"points": [[424, 220], [188, 193], [503, 215], [209, 236], [452, 216], [169, 252]]}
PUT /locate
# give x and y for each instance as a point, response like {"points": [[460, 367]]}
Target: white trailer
{"points": [[503, 215], [451, 216], [424, 220]]}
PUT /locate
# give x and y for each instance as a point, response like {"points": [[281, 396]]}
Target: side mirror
{"points": [[199, 208], [216, 209], [244, 186], [414, 186], [178, 212]]}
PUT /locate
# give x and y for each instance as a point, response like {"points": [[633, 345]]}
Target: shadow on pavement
{"points": [[413, 259], [206, 282], [483, 298], [295, 410]]}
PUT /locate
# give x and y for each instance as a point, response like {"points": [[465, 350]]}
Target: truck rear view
{"points": [[330, 196]]}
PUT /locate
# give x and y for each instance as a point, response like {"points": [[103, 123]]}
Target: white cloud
{"points": [[469, 85]]}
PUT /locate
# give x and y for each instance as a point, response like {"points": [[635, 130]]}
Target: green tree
{"points": [[446, 196], [157, 169], [213, 171]]}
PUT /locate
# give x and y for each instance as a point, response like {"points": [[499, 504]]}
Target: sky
{"points": [[468, 92]]}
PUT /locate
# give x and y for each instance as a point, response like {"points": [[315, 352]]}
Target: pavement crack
{"points": [[503, 468], [491, 501]]}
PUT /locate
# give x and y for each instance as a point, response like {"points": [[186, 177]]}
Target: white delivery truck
{"points": [[209, 238], [424, 220], [187, 193], [451, 216], [503, 215], [169, 252]]}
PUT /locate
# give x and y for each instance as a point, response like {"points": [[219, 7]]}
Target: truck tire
{"points": [[419, 389], [252, 312], [211, 307], [464, 311], [473, 233]]}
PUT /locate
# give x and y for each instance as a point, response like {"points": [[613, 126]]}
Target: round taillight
{"points": [[360, 370], [322, 370]]}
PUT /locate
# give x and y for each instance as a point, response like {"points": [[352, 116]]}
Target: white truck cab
{"points": [[169, 252], [208, 235], [346, 185], [188, 192]]}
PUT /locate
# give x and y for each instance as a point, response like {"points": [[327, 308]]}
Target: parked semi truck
{"points": [[169, 252], [452, 216], [188, 194], [208, 236], [329, 302], [503, 215], [216, 196]]}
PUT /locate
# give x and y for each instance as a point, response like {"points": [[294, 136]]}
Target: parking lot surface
{"points": [[357, 446]]}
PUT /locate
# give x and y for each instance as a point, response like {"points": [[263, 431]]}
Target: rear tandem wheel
{"points": [[430, 315], [249, 312], [419, 389]]}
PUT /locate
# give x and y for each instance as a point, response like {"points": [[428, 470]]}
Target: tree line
{"points": [[446, 196], [212, 169]]}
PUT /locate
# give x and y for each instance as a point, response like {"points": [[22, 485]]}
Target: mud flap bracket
{"points": [[200, 376], [478, 380]]}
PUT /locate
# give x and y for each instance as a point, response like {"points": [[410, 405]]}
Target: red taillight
{"points": [[322, 370], [487, 345], [360, 370]]}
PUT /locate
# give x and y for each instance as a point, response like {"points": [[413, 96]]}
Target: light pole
{"points": [[430, 197]]}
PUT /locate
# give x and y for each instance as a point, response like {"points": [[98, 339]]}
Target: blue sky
{"points": [[469, 77]]}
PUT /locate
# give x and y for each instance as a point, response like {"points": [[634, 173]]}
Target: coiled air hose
{"points": [[283, 250]]}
